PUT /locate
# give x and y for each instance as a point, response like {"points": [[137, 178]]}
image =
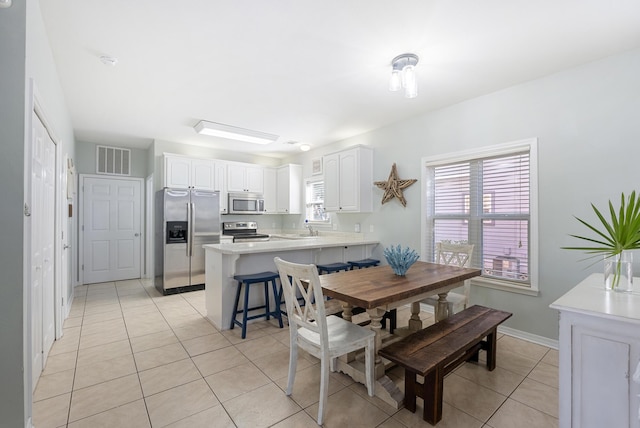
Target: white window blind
{"points": [[485, 201], [315, 201]]}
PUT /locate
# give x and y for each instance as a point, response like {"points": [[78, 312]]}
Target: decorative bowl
{"points": [[400, 259]]}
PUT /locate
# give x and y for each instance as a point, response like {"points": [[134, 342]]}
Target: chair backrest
{"points": [[454, 254], [310, 313]]}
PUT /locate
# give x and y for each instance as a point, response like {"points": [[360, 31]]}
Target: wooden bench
{"points": [[438, 349]]}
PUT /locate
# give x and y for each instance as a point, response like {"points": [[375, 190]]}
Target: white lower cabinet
{"points": [[599, 354]]}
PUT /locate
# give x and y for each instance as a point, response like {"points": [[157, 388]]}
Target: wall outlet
{"points": [[357, 228], [273, 225], [335, 226], [293, 225], [371, 228]]}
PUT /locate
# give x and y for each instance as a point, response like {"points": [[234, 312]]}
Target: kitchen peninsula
{"points": [[223, 261]]}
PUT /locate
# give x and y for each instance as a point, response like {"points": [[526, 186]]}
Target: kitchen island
{"points": [[223, 261]]}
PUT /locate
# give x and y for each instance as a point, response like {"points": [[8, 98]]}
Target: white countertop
{"points": [[590, 297], [299, 243]]}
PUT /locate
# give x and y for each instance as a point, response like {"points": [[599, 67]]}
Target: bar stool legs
{"points": [[247, 281]]}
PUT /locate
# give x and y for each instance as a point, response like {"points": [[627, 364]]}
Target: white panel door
{"points": [[48, 247], [111, 221], [42, 245]]}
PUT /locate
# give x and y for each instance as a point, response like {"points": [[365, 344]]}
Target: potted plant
{"points": [[615, 238]]}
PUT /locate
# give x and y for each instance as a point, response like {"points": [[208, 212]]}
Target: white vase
{"points": [[618, 272]]}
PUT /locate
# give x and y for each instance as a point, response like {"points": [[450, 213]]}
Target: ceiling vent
{"points": [[113, 161]]}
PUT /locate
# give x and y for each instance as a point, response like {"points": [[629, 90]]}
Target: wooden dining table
{"points": [[378, 289]]}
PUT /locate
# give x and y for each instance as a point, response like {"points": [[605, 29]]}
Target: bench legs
{"points": [[431, 389]]}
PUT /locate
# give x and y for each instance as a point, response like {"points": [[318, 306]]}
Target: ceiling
{"points": [[312, 72]]}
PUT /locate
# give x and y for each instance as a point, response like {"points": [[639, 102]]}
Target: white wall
{"points": [[86, 159], [586, 122], [12, 130], [25, 54]]}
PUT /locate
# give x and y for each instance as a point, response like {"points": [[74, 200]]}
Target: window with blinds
{"points": [[315, 202], [485, 201]]}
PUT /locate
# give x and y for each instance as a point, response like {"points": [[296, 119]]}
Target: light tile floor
{"points": [[131, 357]]}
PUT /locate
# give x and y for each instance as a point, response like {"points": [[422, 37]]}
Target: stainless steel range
{"points": [[244, 231]]}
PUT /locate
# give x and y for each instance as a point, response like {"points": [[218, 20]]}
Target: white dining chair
{"points": [[457, 255], [325, 337]]}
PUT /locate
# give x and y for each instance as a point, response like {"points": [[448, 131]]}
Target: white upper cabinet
{"points": [[289, 189], [183, 172], [244, 178], [348, 180], [221, 184], [270, 191]]}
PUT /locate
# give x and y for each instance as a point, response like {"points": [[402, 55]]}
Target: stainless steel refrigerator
{"points": [[186, 219]]}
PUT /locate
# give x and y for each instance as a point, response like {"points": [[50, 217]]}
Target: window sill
{"points": [[503, 285]]}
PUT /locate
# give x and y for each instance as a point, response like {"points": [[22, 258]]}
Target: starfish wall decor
{"points": [[393, 187]]}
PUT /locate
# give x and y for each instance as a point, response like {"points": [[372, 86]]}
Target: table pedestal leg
{"points": [[347, 315], [442, 308], [415, 323]]}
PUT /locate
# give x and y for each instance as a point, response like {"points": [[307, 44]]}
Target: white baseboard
{"points": [[529, 337]]}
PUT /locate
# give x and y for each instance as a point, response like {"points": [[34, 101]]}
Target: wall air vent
{"points": [[113, 161]]}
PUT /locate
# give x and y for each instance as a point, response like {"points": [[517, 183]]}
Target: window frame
{"points": [[530, 145], [307, 183]]}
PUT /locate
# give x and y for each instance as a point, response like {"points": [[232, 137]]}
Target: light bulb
{"points": [[394, 82], [409, 82]]}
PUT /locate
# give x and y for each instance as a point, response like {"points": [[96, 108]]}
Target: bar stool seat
{"points": [[332, 267], [364, 263], [248, 280]]}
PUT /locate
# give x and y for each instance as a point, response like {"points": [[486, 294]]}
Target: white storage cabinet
{"points": [[244, 178], [348, 180], [599, 353], [182, 172], [289, 189]]}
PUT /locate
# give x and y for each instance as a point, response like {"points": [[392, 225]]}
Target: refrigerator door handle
{"points": [[189, 229], [192, 227]]}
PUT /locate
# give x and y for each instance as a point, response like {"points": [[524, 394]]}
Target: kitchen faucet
{"points": [[311, 231]]}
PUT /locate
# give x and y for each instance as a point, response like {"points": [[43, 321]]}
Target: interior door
{"points": [[111, 226], [42, 245]]}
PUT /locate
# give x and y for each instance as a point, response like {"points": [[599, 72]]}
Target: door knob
{"points": [[65, 246], [137, 234]]}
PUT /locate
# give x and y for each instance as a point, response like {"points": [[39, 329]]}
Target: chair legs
{"points": [[293, 360], [324, 389], [369, 361]]}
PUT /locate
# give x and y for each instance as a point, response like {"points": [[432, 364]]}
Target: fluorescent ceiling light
{"points": [[234, 133]]}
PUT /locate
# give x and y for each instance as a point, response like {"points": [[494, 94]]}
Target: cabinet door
{"points": [[255, 179], [177, 172], [270, 191], [202, 174], [221, 184], [236, 178], [331, 182], [349, 179], [283, 190]]}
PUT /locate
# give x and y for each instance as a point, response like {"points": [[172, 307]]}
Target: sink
{"points": [[295, 236]]}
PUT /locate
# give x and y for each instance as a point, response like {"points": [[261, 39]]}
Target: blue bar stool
{"points": [[247, 280], [364, 263], [332, 267], [390, 315]]}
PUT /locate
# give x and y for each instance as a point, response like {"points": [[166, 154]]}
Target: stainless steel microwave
{"points": [[246, 203]]}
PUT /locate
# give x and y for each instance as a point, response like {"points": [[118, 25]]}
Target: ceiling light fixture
{"points": [[403, 74], [234, 133], [109, 60], [305, 147]]}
